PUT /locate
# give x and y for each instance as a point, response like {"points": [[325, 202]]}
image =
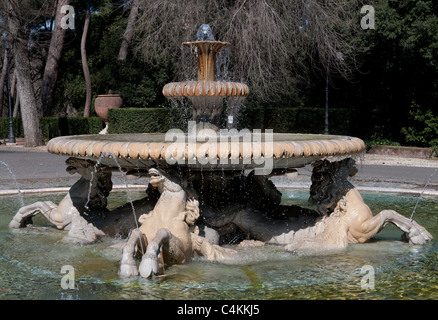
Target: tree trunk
{"points": [[30, 110], [85, 68], [2, 83], [3, 74], [14, 94], [14, 83], [129, 32], [16, 112], [52, 64]]}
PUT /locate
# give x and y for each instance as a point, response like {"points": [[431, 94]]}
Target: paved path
{"points": [[31, 168], [384, 178], [35, 168]]}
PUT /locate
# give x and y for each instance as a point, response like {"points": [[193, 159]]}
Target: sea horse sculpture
{"points": [[89, 193], [342, 217], [346, 217], [167, 229]]}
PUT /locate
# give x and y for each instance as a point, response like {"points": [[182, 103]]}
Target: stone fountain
{"points": [[206, 94], [208, 185]]}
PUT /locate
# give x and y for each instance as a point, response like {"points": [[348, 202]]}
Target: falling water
{"points": [[222, 63], [235, 105], [98, 162], [424, 189], [180, 174], [20, 195], [181, 112], [201, 198], [129, 195], [91, 183], [127, 188], [188, 58]]}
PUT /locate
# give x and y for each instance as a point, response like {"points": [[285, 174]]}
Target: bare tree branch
{"points": [[272, 41]]}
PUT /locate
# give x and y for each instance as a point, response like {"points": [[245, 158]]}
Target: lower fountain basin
{"points": [[215, 152], [32, 258]]}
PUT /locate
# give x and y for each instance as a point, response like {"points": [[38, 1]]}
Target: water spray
{"points": [[15, 180], [424, 189]]}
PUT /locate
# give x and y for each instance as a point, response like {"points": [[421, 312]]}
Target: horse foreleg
{"points": [[46, 208], [414, 232], [136, 242], [149, 262]]}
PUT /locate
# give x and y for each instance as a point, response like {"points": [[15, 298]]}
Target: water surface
{"points": [[31, 262]]}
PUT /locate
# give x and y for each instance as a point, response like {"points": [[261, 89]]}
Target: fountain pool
{"points": [[31, 260]]}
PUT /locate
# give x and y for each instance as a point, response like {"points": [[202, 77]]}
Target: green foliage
{"points": [[54, 127], [380, 142], [424, 129], [4, 127], [400, 66], [142, 120], [138, 83], [293, 120], [296, 120]]}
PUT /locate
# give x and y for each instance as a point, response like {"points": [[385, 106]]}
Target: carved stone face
{"points": [[81, 166]]}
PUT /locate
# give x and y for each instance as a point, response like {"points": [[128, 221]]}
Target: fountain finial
{"points": [[204, 33]]}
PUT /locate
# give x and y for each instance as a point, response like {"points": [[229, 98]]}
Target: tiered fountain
{"points": [[214, 184], [206, 94], [141, 151]]}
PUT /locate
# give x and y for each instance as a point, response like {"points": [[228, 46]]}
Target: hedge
{"points": [[4, 127], [54, 127], [140, 120], [296, 120]]}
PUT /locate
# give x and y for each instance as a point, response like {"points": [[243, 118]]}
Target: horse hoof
{"points": [[418, 234], [127, 270], [148, 266]]}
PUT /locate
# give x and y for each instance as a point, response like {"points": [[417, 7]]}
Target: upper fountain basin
{"points": [[205, 89], [136, 151]]}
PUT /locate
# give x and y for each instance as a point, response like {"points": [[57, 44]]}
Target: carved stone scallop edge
{"points": [[83, 147]]}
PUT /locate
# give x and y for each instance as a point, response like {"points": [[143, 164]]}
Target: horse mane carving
{"points": [[330, 183]]}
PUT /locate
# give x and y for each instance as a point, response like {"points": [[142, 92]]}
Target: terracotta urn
{"points": [[105, 102]]}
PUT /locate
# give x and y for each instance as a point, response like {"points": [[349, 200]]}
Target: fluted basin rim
{"points": [[144, 150], [205, 88]]}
